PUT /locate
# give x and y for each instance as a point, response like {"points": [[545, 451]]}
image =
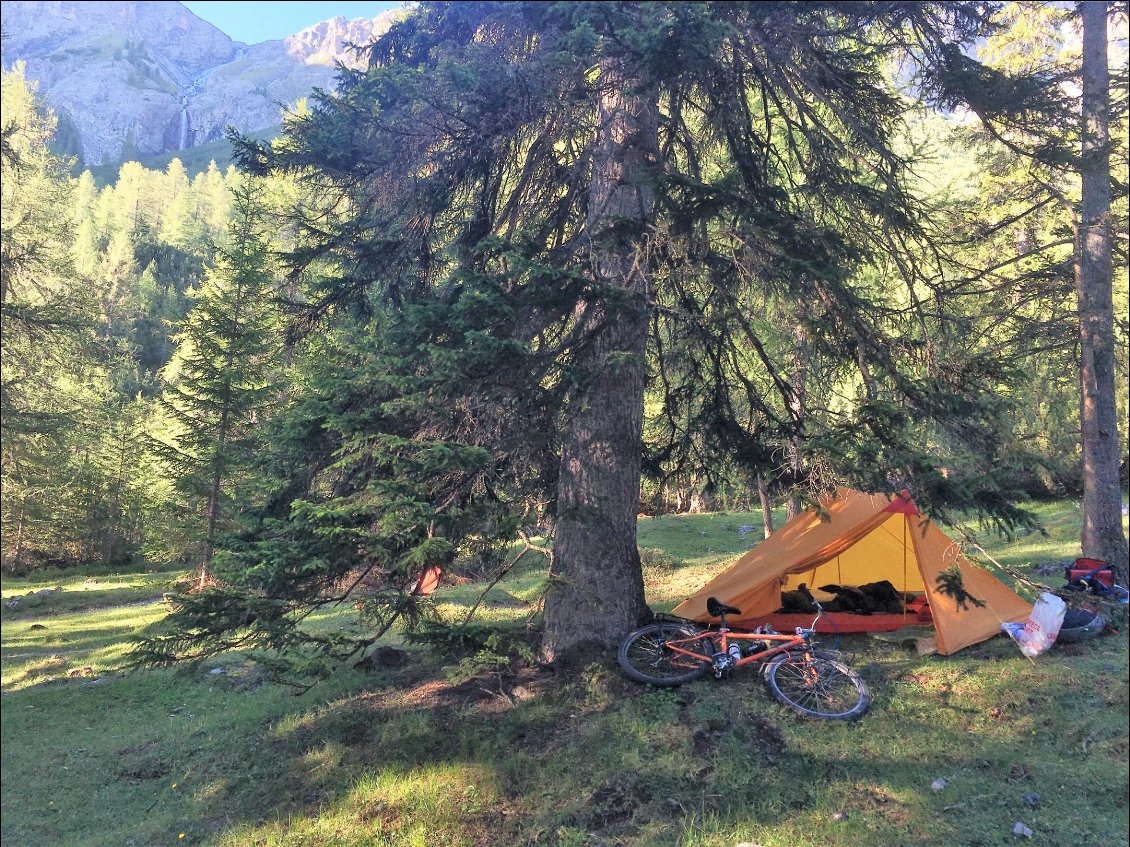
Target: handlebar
{"points": [[803, 589]]}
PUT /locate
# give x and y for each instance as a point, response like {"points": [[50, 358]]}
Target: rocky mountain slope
{"points": [[130, 79]]}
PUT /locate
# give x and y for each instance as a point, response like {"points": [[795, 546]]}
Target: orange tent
{"points": [[863, 538]]}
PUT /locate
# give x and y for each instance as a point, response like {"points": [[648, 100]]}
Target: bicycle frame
{"points": [[814, 683], [722, 661]]}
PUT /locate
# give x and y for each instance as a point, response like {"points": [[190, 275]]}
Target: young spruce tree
{"points": [[219, 380]]}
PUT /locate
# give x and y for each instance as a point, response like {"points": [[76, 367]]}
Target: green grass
{"points": [[681, 552], [1059, 540], [402, 756]]}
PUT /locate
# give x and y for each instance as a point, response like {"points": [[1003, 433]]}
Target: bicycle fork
{"points": [[810, 674]]}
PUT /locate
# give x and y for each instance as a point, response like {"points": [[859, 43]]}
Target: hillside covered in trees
{"points": [[539, 268]]}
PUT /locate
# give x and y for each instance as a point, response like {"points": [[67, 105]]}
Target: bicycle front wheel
{"points": [[819, 686], [655, 654]]}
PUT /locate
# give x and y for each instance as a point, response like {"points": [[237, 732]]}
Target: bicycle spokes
{"points": [[817, 687]]}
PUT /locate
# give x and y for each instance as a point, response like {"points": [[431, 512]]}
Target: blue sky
{"points": [[252, 22]]}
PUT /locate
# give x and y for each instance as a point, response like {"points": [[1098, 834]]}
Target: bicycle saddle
{"points": [[716, 609]]}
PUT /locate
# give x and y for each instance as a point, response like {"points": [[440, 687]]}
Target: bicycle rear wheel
{"points": [[818, 687], [646, 657]]}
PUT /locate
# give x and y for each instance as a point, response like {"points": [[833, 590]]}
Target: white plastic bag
{"points": [[1039, 632]]}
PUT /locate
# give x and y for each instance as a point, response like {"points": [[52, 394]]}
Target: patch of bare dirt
{"points": [[765, 737], [1069, 648], [142, 762], [613, 803], [878, 800], [484, 694]]}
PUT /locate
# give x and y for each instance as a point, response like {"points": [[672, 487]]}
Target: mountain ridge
{"points": [[146, 77]]}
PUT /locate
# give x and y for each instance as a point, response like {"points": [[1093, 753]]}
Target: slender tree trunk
{"points": [[596, 591], [214, 499], [700, 500], [18, 551], [766, 504], [1102, 505], [112, 537], [221, 442], [797, 409]]}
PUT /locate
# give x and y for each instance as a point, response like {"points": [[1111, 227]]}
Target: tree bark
{"points": [[1102, 536], [18, 553], [700, 501], [596, 589]]}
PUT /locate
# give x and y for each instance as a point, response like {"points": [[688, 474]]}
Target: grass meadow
{"points": [[955, 752]]}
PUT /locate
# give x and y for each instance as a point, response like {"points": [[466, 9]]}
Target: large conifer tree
{"points": [[519, 203], [1046, 229]]}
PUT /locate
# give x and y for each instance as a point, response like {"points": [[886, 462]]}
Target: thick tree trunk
{"points": [[1102, 536], [596, 593]]}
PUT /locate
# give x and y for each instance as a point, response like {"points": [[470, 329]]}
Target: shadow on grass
{"points": [[710, 757], [403, 756], [71, 649]]}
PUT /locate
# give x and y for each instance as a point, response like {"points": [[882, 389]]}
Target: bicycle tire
{"points": [[644, 657], [824, 688]]}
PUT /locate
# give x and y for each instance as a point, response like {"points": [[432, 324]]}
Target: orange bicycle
{"points": [[815, 683]]}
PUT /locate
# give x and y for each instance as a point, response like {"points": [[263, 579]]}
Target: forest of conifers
{"points": [[793, 245]]}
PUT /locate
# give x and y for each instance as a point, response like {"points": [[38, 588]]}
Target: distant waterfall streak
{"points": [[183, 128]]}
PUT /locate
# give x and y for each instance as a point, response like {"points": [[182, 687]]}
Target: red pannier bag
{"points": [[1095, 569]]}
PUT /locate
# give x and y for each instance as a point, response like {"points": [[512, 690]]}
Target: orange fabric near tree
{"points": [[867, 538], [752, 582], [955, 627]]}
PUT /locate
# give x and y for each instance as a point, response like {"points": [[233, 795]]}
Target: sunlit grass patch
{"points": [[681, 553], [75, 645], [56, 592], [1059, 540], [703, 538]]}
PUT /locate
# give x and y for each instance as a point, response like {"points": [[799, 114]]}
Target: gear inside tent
{"points": [[874, 559]]}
